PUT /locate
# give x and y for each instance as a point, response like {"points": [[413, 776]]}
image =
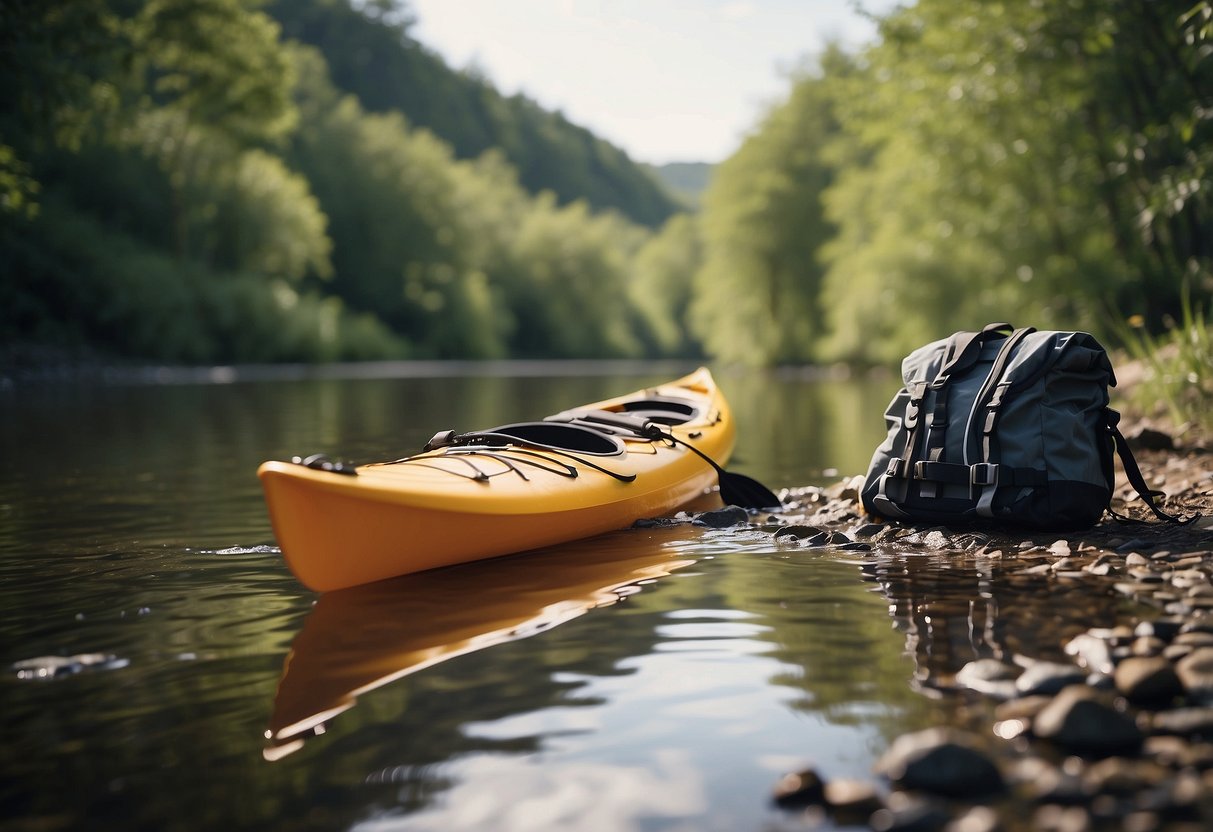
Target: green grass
{"points": [[1178, 368]]}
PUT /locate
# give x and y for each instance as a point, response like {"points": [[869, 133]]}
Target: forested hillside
{"points": [[686, 180], [376, 59], [183, 180]]}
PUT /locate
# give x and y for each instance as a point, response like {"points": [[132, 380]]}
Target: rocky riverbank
{"points": [[1086, 702]]}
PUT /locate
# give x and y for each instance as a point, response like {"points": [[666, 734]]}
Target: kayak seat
{"points": [[664, 411], [559, 436]]}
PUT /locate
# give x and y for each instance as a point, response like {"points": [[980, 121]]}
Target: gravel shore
{"points": [[1086, 700]]}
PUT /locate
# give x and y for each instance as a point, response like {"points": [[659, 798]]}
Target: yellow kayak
{"points": [[587, 470]]}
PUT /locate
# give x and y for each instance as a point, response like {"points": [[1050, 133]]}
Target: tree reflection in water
{"points": [[956, 607]]}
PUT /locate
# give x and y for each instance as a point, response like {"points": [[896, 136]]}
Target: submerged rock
{"points": [[940, 761], [852, 801], [799, 789], [798, 532], [1048, 678], [989, 676], [723, 518]]}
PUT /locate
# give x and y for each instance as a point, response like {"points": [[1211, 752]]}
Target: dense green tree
{"points": [[979, 186], [399, 234], [61, 65], [764, 224], [662, 285], [211, 80], [576, 303]]}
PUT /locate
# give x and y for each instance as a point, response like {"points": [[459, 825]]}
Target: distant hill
{"points": [[685, 180], [379, 61]]}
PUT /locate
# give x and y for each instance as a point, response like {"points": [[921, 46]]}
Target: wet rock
{"points": [[1147, 680], [1048, 678], [847, 490], [1079, 721], [799, 789], [1148, 646], [940, 761], [937, 540], [1025, 709], [852, 802], [1168, 750], [1185, 797], [1054, 818], [654, 522], [723, 518], [1190, 579], [797, 532], [869, 530], [1060, 548], [1197, 756], [1175, 652], [990, 677], [1091, 652], [1061, 787], [976, 819], [907, 814], [1189, 722], [1123, 777], [1196, 671], [1194, 638]]}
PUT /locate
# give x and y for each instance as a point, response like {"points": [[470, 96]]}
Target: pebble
{"points": [[1163, 628], [991, 677], [940, 761], [1079, 721], [1189, 722], [906, 814], [1052, 818], [1048, 677], [852, 802], [1196, 671], [1091, 652], [1121, 776], [1147, 680], [976, 819]]}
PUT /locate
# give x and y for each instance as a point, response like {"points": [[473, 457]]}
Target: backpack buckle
{"points": [[983, 474]]}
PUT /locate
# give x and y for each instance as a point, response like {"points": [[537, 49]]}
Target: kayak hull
{"points": [[456, 505]]}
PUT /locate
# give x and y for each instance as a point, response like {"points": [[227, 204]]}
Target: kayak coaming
{"points": [[338, 531]]}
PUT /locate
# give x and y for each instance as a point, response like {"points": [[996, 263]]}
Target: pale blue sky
{"points": [[666, 80]]}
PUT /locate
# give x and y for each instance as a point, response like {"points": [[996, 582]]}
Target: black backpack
{"points": [[1008, 426]]}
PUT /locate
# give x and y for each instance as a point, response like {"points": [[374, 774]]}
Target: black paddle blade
{"points": [[740, 490]]}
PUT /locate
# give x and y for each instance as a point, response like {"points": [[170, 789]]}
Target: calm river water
{"points": [[650, 679]]}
